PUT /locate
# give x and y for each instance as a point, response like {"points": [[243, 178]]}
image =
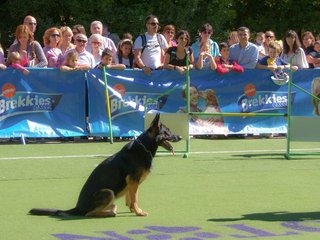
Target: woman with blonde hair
{"points": [[26, 45], [52, 41], [66, 43]]}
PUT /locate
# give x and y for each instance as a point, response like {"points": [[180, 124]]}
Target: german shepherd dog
{"points": [[119, 175]]}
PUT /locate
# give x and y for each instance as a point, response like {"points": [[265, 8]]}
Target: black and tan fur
{"points": [[118, 175]]}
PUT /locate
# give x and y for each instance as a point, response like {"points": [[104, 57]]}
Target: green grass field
{"points": [[225, 189]]}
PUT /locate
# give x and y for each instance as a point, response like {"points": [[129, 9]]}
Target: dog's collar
{"points": [[144, 147]]}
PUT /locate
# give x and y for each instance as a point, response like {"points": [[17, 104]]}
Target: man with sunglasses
{"points": [[150, 47], [31, 22], [85, 59]]}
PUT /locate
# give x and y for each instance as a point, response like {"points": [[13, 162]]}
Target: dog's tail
{"points": [[51, 212], [44, 211]]}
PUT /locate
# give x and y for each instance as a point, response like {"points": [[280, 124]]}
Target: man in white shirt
{"points": [[85, 59], [149, 48]]}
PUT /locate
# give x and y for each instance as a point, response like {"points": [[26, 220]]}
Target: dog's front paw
{"points": [[139, 212]]}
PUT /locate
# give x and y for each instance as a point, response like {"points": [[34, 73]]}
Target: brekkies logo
{"points": [[8, 90], [123, 102], [250, 90], [259, 101], [13, 102]]}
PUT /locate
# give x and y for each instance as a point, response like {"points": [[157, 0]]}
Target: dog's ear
{"points": [[156, 121]]}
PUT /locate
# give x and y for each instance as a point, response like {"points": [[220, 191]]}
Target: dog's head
{"points": [[162, 134]]}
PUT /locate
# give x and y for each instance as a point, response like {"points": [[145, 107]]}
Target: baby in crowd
{"points": [[107, 61], [224, 64], [71, 62], [14, 61]]}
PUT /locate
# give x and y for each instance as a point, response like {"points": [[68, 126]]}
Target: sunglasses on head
{"points": [[81, 41]]}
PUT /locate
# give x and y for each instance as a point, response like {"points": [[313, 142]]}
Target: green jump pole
{"points": [[188, 102], [287, 155], [108, 104]]}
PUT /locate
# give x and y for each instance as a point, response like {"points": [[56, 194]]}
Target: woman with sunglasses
{"points": [[27, 46], [205, 33], [95, 42], [52, 41]]}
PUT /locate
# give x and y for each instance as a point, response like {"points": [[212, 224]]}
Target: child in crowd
{"points": [[71, 62], [125, 53], [315, 54], [224, 64], [14, 60], [205, 59], [260, 37], [273, 62], [106, 61]]}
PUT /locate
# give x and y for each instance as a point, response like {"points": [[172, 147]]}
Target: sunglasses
{"points": [[81, 41], [32, 23], [269, 36], [54, 35], [154, 23]]}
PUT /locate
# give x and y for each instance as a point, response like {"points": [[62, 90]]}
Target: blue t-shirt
{"points": [[214, 49]]}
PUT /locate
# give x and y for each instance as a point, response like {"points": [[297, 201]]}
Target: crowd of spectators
{"points": [[154, 50]]}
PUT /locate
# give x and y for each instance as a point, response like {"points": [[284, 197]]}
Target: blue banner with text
{"points": [[51, 103]]}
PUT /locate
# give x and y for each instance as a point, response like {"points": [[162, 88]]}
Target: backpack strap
{"points": [[143, 42]]}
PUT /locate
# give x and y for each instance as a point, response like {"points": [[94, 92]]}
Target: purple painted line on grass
{"points": [[195, 233]]}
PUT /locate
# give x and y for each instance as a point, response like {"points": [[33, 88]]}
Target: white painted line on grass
{"points": [[162, 153]]}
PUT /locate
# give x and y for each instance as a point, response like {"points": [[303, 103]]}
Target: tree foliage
{"points": [[128, 16]]}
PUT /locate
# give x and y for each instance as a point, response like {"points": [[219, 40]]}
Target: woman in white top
{"points": [[95, 42], [292, 49]]}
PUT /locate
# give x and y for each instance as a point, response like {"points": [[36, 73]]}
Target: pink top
{"points": [[54, 56], [222, 69], [18, 66]]}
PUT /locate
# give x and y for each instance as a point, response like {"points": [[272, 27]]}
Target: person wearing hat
{"points": [[86, 59]]}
